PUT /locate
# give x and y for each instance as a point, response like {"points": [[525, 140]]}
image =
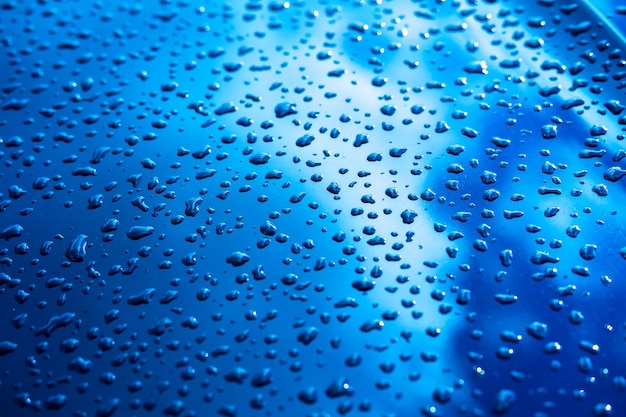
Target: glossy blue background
{"points": [[140, 80]]}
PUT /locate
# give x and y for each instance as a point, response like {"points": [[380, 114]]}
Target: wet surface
{"points": [[312, 208]]}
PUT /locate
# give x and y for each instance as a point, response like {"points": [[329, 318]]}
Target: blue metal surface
{"points": [[384, 208]]}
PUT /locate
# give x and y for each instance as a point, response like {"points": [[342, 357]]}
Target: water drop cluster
{"points": [[311, 208]]}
